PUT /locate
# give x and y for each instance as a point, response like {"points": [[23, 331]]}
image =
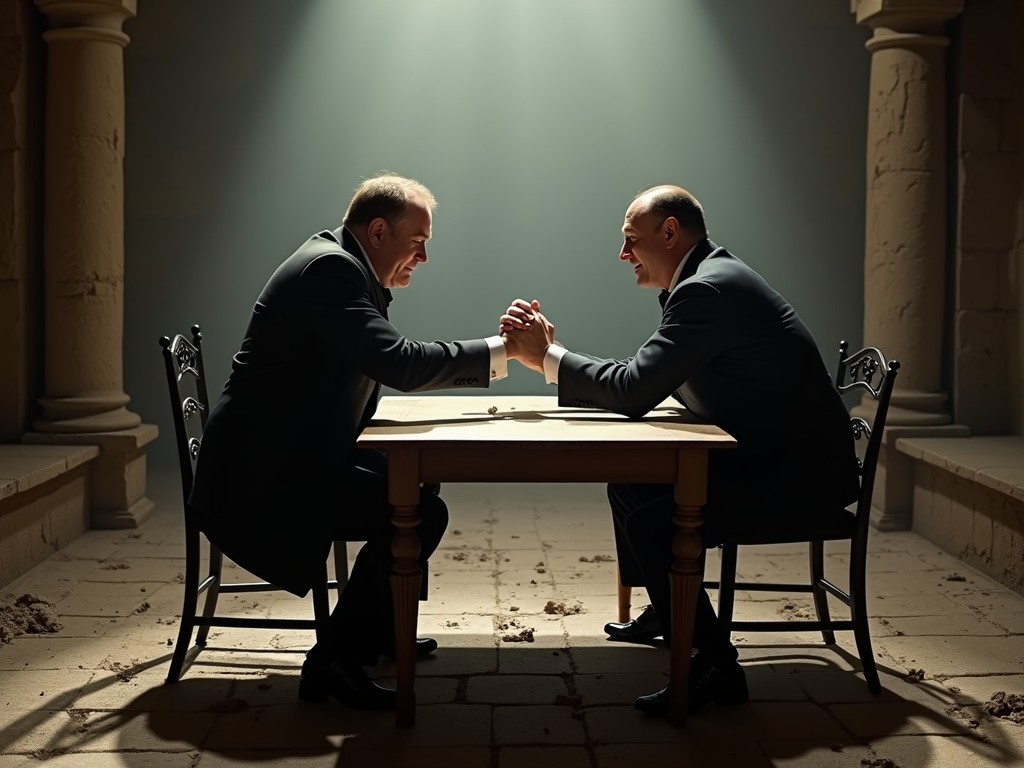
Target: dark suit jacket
{"points": [[303, 386], [735, 353]]}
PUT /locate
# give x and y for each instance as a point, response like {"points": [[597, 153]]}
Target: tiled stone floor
{"points": [[92, 694]]}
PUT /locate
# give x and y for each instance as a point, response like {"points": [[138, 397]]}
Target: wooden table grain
{"points": [[506, 439]]}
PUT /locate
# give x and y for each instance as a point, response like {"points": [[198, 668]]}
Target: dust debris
{"points": [[955, 577], [515, 535], [524, 635], [560, 607], [458, 556], [492, 410], [179, 578], [456, 532], [597, 559], [142, 608], [452, 624], [513, 607], [794, 611], [1008, 706], [879, 762], [836, 747], [915, 675], [115, 565], [28, 615], [123, 672]]}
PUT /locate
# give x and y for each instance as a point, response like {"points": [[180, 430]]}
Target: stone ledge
{"points": [[27, 466], [993, 462]]}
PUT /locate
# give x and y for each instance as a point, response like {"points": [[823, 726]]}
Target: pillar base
{"points": [[133, 517], [892, 504], [117, 476]]}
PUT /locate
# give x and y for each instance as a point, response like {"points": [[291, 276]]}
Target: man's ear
{"points": [[375, 231], [670, 231]]}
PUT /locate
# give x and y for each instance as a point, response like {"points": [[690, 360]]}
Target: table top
{"points": [[436, 420]]}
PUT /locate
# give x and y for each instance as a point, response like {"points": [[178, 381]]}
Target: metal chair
{"points": [[190, 404], [868, 371]]}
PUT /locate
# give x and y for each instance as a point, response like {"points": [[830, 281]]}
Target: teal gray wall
{"points": [[249, 123]]}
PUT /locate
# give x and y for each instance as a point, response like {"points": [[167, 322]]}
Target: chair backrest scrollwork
{"points": [[190, 404], [867, 370]]}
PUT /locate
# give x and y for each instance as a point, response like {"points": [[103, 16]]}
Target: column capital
{"points": [[909, 16], [105, 14]]}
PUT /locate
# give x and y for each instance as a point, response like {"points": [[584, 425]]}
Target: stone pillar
{"points": [[905, 230], [83, 253]]}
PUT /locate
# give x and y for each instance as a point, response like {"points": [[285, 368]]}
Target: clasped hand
{"points": [[527, 333]]}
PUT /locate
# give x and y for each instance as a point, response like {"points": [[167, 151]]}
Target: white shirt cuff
{"points": [[552, 357], [499, 358]]}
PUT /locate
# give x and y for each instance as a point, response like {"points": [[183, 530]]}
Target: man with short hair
{"points": [[279, 475], [736, 354]]}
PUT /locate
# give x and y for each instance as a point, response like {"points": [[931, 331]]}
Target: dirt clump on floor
{"points": [[524, 634], [1009, 706], [561, 608], [28, 615]]}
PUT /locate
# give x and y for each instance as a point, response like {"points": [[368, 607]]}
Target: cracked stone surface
{"points": [[947, 640]]}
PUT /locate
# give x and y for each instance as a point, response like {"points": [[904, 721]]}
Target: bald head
{"points": [[667, 200], [662, 224]]}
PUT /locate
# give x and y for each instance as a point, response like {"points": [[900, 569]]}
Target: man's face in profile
{"points": [[403, 246], [642, 246]]}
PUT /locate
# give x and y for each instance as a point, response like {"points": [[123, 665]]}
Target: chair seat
{"points": [[830, 525]]}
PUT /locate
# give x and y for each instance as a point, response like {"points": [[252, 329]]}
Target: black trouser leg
{"points": [[363, 619], [643, 513]]}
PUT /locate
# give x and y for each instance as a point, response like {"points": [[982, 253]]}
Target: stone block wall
{"points": [[21, 131], [989, 244]]}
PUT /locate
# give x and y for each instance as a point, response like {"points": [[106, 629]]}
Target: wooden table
{"points": [[439, 439]]}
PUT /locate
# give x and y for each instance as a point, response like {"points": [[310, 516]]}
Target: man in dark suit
{"points": [[279, 475], [736, 354]]}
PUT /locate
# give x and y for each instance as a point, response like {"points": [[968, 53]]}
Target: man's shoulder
{"points": [[325, 251]]}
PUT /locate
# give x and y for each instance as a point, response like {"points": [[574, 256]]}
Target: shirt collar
{"points": [[365, 257], [679, 269]]}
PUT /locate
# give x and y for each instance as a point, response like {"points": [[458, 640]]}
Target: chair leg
{"points": [[727, 587], [859, 614], [188, 608], [321, 611], [341, 564], [212, 592], [625, 596], [816, 556]]}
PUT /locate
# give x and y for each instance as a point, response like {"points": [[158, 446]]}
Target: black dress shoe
{"points": [[725, 685], [642, 629], [346, 681]]}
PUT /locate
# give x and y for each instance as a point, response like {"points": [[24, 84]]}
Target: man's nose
{"points": [[422, 255], [624, 254]]}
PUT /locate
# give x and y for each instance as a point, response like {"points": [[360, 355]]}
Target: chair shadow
{"points": [[255, 716]]}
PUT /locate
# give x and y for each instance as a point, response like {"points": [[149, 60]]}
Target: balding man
{"points": [[736, 354]]}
